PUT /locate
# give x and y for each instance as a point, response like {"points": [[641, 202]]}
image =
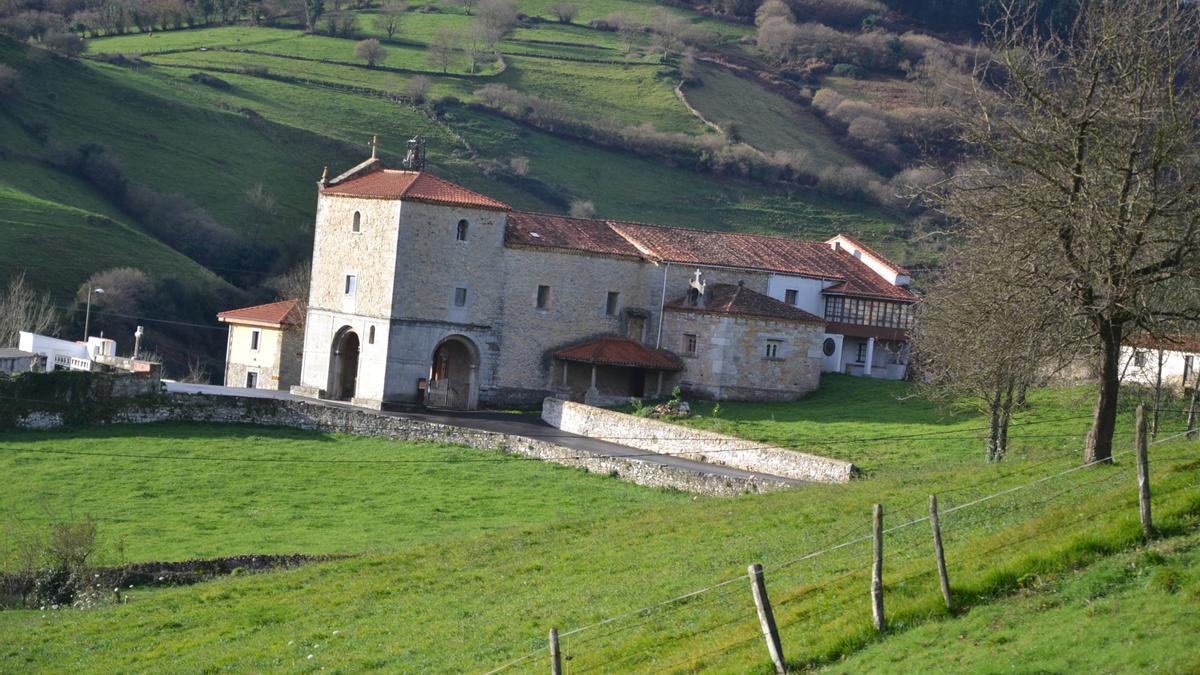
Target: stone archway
{"points": [[343, 365], [454, 374]]}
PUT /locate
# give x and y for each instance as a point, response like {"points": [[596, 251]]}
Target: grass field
{"points": [[763, 119], [470, 585]]}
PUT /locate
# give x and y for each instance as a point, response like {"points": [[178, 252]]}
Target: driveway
{"points": [[515, 424]]}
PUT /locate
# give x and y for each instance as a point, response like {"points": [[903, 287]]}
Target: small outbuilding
{"points": [[265, 345], [13, 361]]}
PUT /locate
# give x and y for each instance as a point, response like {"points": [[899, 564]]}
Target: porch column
{"points": [[658, 391], [565, 373], [870, 356], [593, 377]]}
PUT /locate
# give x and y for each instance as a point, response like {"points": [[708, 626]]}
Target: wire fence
{"points": [[825, 591]]}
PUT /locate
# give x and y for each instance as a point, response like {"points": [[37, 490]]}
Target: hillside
{"points": [[606, 110]]}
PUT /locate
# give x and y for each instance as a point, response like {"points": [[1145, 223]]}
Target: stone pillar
{"points": [[870, 356], [658, 390], [564, 381]]}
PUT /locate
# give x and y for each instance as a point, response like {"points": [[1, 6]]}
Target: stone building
{"points": [[426, 292], [265, 345]]}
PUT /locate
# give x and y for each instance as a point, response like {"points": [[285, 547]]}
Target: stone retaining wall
{"points": [[704, 446], [323, 418]]}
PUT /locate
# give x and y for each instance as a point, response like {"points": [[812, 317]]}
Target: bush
{"points": [[849, 70], [416, 90], [67, 44], [209, 81], [370, 51], [583, 208]]}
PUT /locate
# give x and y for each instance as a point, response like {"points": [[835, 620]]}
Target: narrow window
{"points": [[357, 225], [693, 297], [461, 234], [1139, 358], [351, 284], [251, 380], [254, 337], [371, 335], [790, 296], [773, 348], [543, 297], [611, 305], [689, 344], [862, 353], [460, 297]]}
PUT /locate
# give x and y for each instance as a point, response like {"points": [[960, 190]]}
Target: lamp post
{"points": [[87, 316]]}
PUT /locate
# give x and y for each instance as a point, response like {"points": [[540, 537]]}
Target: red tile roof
{"points": [[282, 312], [579, 234], [619, 351], [735, 299], [1176, 342], [417, 186], [705, 247]]}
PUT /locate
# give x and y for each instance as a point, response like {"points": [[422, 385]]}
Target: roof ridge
{"points": [[259, 306]]}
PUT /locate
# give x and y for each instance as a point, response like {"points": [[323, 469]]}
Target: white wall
{"points": [[877, 266], [50, 347], [1174, 365], [808, 296]]}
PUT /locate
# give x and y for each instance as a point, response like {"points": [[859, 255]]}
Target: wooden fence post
{"points": [[1143, 474], [1192, 411], [877, 572], [555, 656], [937, 549], [766, 618]]}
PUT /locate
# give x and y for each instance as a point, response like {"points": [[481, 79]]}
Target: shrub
{"points": [[827, 100], [416, 89], [519, 165], [837, 12], [849, 70], [583, 208], [10, 82], [67, 44], [209, 81], [371, 51], [564, 12], [870, 132]]}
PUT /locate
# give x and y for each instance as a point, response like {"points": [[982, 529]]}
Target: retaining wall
{"points": [[323, 418], [704, 446]]}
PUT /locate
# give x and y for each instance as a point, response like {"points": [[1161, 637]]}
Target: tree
{"points": [[1082, 158], [371, 51], [497, 18], [416, 89], [388, 20], [443, 50], [583, 208], [984, 337], [564, 12], [476, 45], [24, 309], [313, 9], [467, 5]]}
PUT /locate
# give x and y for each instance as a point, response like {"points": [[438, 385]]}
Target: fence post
{"points": [[937, 549], [1143, 473], [766, 618], [1192, 412], [877, 572], [555, 656]]}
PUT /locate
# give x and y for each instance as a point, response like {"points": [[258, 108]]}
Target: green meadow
{"points": [[470, 557]]}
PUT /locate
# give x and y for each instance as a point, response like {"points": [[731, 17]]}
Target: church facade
{"points": [[424, 292]]}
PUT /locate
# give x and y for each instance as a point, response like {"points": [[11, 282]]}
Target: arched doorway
{"points": [[343, 365], [454, 375]]}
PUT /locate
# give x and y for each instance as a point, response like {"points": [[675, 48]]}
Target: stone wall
{"points": [[329, 419], [731, 361], [705, 446]]}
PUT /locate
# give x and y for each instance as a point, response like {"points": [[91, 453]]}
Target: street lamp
{"points": [[87, 316]]}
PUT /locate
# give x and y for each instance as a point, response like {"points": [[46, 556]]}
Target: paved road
{"points": [[515, 424]]}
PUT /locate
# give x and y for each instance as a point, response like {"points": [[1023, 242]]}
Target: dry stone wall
{"points": [[704, 446], [324, 418]]}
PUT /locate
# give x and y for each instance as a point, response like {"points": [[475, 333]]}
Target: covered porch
{"points": [[612, 370]]}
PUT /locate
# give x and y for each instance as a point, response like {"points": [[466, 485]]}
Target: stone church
{"points": [[426, 292]]}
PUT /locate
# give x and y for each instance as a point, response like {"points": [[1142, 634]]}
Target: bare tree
{"points": [[564, 12], [389, 17], [443, 50], [371, 51], [24, 309], [497, 18], [1083, 160], [981, 337], [467, 5], [416, 90], [294, 285]]}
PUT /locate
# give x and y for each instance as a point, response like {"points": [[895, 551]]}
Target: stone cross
{"points": [[374, 145], [697, 283]]}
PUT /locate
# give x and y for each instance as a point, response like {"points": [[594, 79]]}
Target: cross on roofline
{"points": [[374, 145]]}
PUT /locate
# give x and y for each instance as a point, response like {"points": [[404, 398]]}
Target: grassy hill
{"points": [[515, 546]]}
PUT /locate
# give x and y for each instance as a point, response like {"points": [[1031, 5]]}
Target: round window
{"points": [[829, 347]]}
